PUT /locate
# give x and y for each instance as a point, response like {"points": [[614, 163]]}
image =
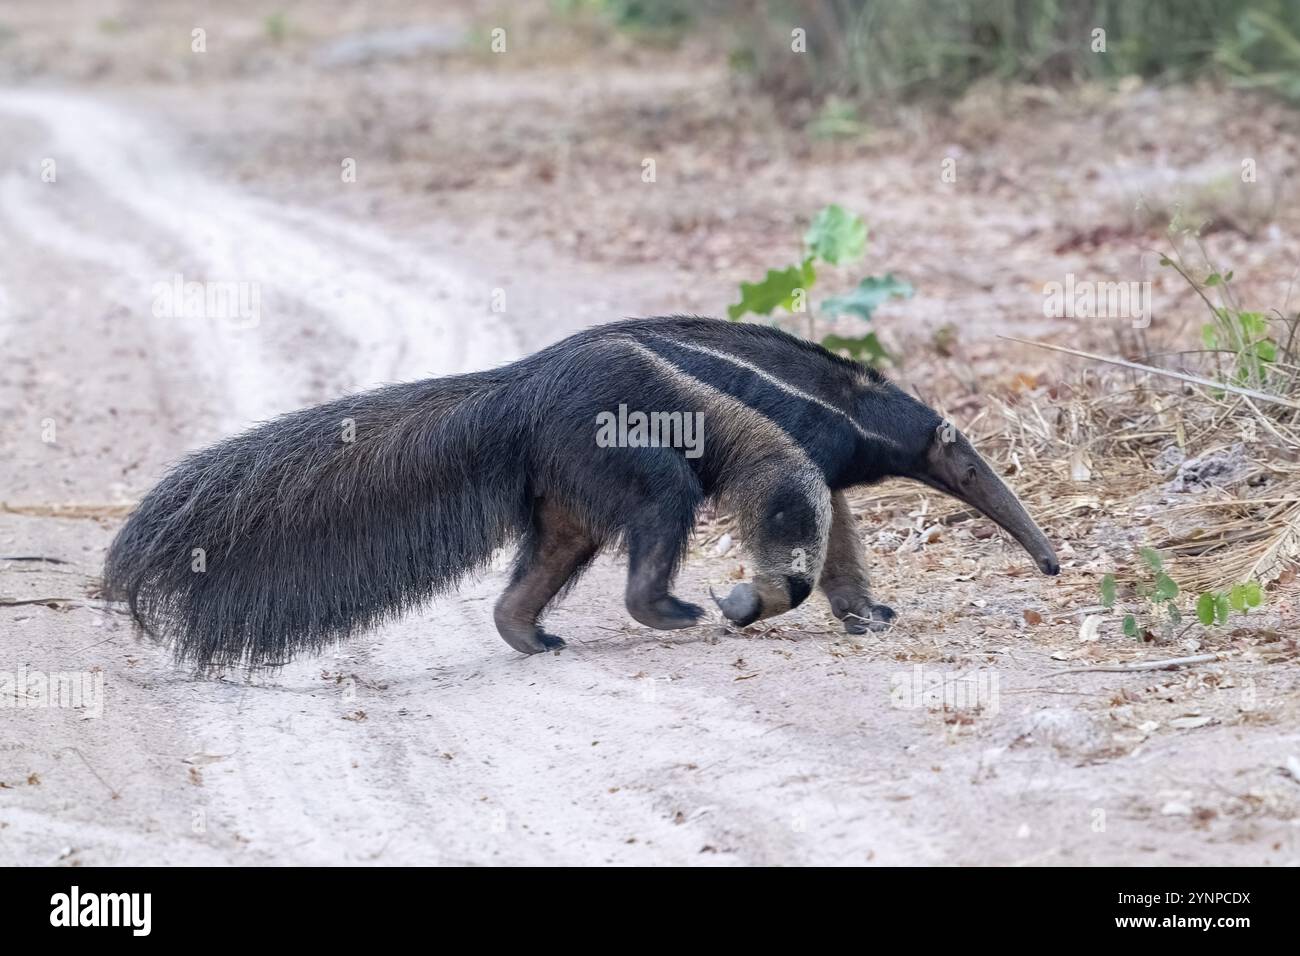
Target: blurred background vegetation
{"points": [[884, 50]]}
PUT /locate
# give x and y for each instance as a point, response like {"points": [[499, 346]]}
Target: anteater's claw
{"points": [[666, 613], [878, 618], [528, 639]]}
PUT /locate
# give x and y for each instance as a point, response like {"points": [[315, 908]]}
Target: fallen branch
{"points": [[59, 603], [45, 602], [1169, 664], [91, 511], [1181, 376]]}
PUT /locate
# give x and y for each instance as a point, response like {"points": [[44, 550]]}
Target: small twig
{"points": [[47, 601], [63, 603], [91, 511], [111, 789], [1181, 376], [1143, 666], [82, 650], [1268, 424]]}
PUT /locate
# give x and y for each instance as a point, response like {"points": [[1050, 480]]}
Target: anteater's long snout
{"points": [[1000, 503], [954, 466]]}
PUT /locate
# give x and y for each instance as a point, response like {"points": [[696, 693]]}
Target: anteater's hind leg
{"points": [[553, 553], [656, 541], [844, 578], [785, 517]]}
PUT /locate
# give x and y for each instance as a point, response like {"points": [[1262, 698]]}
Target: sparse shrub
{"points": [[872, 51], [1250, 349], [835, 238], [1157, 613]]}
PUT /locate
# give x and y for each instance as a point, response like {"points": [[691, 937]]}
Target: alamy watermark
{"points": [[133, 911], [72, 690], [626, 429], [237, 303], [931, 689], [1085, 299]]}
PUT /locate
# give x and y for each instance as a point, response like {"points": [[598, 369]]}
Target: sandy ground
{"points": [[430, 741]]}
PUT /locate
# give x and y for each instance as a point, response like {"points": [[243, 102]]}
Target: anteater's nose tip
{"points": [[1049, 566]]}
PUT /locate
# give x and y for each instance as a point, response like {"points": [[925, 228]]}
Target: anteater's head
{"points": [[952, 465]]}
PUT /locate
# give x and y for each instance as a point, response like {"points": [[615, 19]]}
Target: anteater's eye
{"points": [[969, 477]]}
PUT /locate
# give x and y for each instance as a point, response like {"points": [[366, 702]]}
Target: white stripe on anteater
{"points": [[744, 427], [781, 384]]}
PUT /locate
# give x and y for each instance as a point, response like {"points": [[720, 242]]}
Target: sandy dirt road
{"points": [[435, 743], [430, 741]]}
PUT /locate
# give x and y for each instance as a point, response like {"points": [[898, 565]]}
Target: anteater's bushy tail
{"points": [[323, 522]]}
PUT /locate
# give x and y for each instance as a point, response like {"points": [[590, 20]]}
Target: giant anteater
{"points": [[329, 520]]}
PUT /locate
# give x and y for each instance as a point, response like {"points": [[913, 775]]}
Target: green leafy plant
{"points": [[636, 16], [1159, 593], [1245, 350], [276, 26], [838, 119], [835, 238], [1264, 53], [877, 53]]}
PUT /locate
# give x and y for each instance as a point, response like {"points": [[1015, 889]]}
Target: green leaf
{"points": [[1108, 591], [1254, 594], [1213, 279], [1130, 626], [1166, 587], [870, 293], [863, 348], [1152, 557], [1222, 609], [776, 290], [1252, 323], [1266, 349], [836, 236], [1166, 261], [838, 119], [1205, 609], [1237, 597], [1209, 336]]}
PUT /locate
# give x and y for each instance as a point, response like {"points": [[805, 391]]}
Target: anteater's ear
{"points": [[954, 466], [940, 454]]}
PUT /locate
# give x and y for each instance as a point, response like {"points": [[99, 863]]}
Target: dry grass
{"points": [[1104, 449], [1095, 460]]}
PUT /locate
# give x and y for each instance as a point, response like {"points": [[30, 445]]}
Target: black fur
{"points": [[308, 538]]}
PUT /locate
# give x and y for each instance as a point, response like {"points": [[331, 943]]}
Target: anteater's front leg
{"points": [[656, 541], [844, 578], [785, 518]]}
